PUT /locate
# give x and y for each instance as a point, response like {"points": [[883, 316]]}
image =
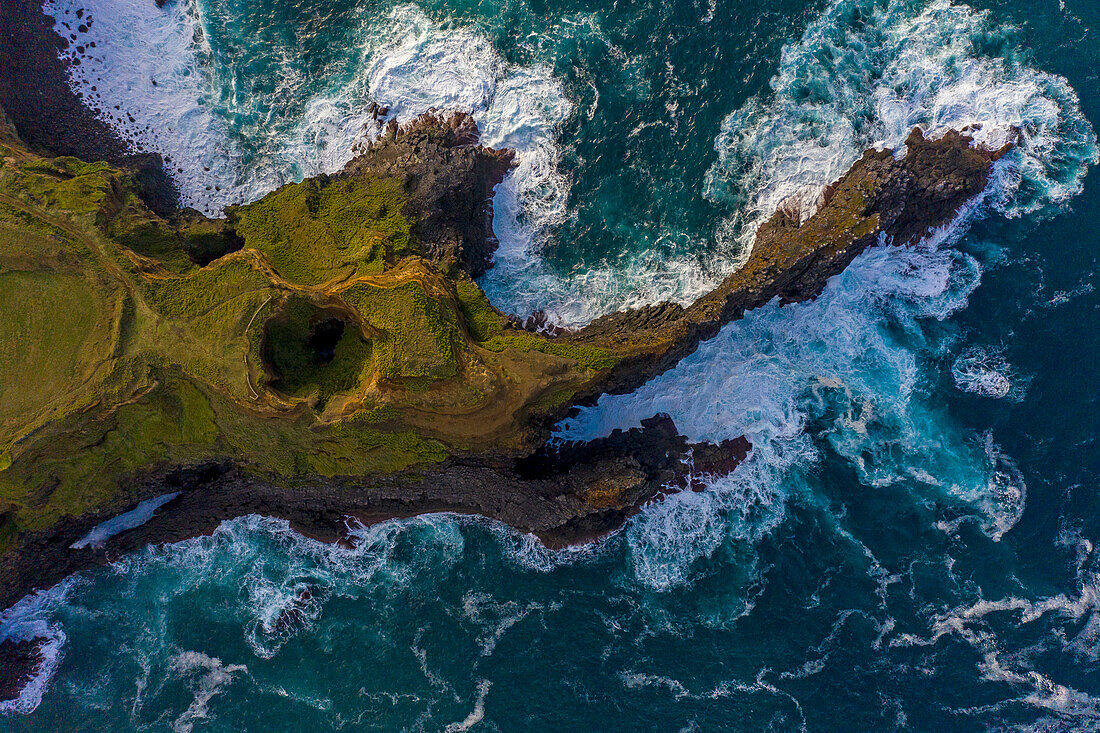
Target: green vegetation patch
{"points": [[52, 328], [203, 290], [83, 464], [314, 349], [149, 235], [587, 357], [69, 184], [202, 322], [29, 243], [417, 335], [483, 321], [350, 449], [79, 471], [317, 231]]}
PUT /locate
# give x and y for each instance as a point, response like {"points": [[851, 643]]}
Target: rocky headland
{"points": [[325, 354]]}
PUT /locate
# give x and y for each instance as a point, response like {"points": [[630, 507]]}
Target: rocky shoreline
{"points": [[882, 198], [19, 661], [564, 494], [49, 116]]}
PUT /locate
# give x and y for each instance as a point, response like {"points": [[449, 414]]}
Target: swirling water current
{"points": [[911, 545]]}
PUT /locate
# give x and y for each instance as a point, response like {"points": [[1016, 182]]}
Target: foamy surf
{"points": [[153, 75], [930, 70], [981, 624], [157, 81], [141, 69], [985, 372], [858, 353], [31, 620], [844, 562], [865, 74]]}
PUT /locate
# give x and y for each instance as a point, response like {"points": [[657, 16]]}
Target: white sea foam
{"points": [[477, 714], [983, 372], [195, 114], [768, 374], [145, 77], [495, 617], [928, 71], [857, 352], [284, 606], [136, 517], [979, 624], [31, 619], [864, 75], [209, 677], [783, 150], [286, 578]]}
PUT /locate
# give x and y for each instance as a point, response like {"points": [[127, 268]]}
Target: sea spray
{"points": [[858, 354], [865, 74]]}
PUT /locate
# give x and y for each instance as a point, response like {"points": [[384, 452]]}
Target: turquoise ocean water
{"points": [[911, 545]]}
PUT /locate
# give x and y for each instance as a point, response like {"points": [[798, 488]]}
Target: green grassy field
{"points": [[303, 336]]}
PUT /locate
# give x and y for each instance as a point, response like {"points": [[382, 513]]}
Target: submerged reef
{"points": [[325, 355]]}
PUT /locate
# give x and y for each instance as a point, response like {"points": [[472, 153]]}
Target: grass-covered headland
{"points": [[326, 352], [306, 335]]}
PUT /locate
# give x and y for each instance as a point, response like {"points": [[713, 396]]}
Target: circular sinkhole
{"points": [[310, 350]]}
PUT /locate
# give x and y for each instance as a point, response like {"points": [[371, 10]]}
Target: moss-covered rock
{"points": [[321, 230]]}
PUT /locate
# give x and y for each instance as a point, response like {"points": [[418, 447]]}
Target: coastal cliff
{"points": [[324, 355]]}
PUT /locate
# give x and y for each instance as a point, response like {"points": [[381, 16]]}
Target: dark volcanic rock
{"points": [[49, 116], [565, 495], [881, 198], [449, 179], [19, 661]]}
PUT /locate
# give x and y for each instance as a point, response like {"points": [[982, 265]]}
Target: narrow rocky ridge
{"points": [[564, 494], [882, 197]]}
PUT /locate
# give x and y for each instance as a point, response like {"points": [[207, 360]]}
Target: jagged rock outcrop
{"points": [[428, 399], [562, 493], [449, 179], [882, 197], [18, 662]]}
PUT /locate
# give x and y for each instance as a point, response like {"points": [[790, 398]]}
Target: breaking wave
{"points": [[32, 619], [865, 74], [854, 363], [166, 80]]}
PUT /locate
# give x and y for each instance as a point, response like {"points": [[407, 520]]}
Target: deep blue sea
{"points": [[912, 545]]}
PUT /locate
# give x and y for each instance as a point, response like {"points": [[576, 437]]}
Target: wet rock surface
{"points": [[571, 493], [18, 662], [449, 179]]}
